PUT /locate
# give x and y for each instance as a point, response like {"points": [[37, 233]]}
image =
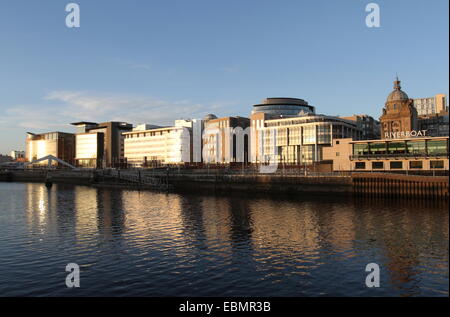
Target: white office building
{"points": [[160, 146]]}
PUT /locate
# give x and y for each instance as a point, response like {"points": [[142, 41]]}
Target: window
{"points": [[415, 164], [337, 153], [378, 148], [309, 135], [397, 147], [377, 165], [437, 147], [396, 165], [360, 149], [323, 134], [416, 147], [436, 164], [360, 165]]}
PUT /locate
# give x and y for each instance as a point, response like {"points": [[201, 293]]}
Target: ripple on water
{"points": [[131, 243]]}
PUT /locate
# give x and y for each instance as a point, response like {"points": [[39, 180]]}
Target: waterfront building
{"points": [[160, 146], [399, 113], [18, 156], [431, 105], [435, 125], [225, 140], [297, 140], [100, 144], [369, 127], [58, 144], [283, 107], [420, 153]]}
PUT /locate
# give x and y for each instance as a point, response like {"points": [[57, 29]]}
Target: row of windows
{"points": [[153, 133], [307, 135], [399, 165], [304, 120], [401, 147]]}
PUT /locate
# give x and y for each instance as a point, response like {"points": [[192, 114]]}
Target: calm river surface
{"points": [[141, 243]]}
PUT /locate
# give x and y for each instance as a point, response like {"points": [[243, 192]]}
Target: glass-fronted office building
{"points": [[297, 140]]}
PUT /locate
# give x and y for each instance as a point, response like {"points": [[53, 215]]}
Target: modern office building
{"points": [[225, 140], [160, 146], [399, 113], [100, 144], [283, 107], [369, 127], [421, 153], [434, 125], [58, 144], [432, 105], [297, 140]]}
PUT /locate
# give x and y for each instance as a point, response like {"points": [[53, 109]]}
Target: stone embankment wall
{"points": [[373, 184]]}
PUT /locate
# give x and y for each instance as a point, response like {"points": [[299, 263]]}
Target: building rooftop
{"points": [[84, 123]]}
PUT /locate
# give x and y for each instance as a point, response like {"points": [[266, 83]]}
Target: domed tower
{"points": [[399, 114]]}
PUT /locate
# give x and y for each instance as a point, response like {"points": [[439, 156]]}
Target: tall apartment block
{"points": [[432, 105]]}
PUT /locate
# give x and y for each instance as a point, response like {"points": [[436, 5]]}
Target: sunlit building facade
{"points": [[161, 146], [90, 149], [18, 155], [100, 145], [399, 113], [421, 153], [296, 140], [431, 105], [57, 144], [226, 140]]}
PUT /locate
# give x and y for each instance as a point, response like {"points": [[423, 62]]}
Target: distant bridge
{"points": [[50, 159]]}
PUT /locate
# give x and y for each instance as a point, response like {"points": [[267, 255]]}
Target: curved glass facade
{"points": [[282, 110], [283, 107], [300, 140]]}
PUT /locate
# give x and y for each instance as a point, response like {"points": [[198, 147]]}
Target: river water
{"points": [[142, 243]]}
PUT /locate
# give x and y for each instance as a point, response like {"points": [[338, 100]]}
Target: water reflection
{"points": [[145, 243]]}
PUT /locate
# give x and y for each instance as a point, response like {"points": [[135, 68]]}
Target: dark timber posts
{"points": [[395, 185]]}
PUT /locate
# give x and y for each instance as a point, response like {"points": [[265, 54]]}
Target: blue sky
{"points": [[157, 61]]}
